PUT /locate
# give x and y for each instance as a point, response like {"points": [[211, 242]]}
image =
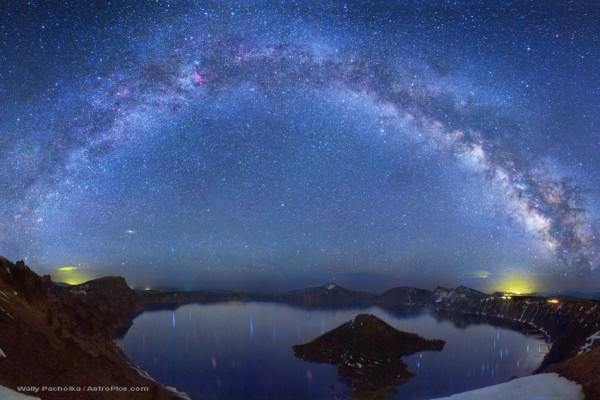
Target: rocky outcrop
{"points": [[57, 337], [368, 351], [583, 369]]}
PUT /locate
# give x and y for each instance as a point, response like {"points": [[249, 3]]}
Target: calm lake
{"points": [[244, 351]]}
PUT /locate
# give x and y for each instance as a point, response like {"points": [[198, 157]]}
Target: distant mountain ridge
{"points": [[405, 295], [332, 294], [329, 294]]}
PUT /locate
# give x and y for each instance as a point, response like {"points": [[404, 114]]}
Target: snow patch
{"points": [[440, 295], [330, 286], [8, 394], [142, 373], [2, 354], [589, 342], [181, 395], [535, 387]]}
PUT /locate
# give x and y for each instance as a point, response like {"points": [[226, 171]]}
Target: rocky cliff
{"points": [[62, 338], [570, 325]]}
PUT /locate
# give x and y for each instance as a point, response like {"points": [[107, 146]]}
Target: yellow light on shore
{"points": [[516, 284], [553, 301]]}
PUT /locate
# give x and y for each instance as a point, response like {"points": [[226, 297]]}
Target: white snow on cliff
{"points": [[589, 343], [535, 387], [8, 394]]}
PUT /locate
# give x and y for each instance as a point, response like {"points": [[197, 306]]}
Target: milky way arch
{"points": [[125, 104]]}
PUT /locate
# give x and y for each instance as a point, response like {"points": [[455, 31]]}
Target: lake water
{"points": [[244, 351]]}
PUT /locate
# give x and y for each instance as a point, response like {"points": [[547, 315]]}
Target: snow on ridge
{"points": [[589, 342], [8, 394], [440, 295], [144, 374], [330, 286], [2, 354], [182, 395], [534, 387]]}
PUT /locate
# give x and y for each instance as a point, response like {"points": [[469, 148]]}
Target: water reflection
{"points": [[243, 351]]}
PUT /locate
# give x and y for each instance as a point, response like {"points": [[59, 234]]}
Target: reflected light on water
{"points": [[219, 351]]}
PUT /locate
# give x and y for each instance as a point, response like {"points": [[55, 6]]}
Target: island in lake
{"points": [[369, 352]]}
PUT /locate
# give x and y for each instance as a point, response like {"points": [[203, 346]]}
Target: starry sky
{"points": [[275, 145]]}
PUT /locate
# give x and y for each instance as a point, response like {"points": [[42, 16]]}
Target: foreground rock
{"points": [[61, 339], [584, 369], [369, 352]]}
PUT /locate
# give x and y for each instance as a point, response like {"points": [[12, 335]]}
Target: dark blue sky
{"points": [[275, 145]]}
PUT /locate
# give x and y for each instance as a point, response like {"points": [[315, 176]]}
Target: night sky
{"points": [[275, 145]]}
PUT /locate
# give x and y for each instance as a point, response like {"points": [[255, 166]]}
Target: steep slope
{"points": [[584, 369], [52, 337], [567, 323]]}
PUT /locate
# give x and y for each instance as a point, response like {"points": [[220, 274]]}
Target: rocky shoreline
{"points": [[64, 336]]}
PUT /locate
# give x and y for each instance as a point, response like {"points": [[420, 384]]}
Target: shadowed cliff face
{"points": [[52, 336], [368, 351]]}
